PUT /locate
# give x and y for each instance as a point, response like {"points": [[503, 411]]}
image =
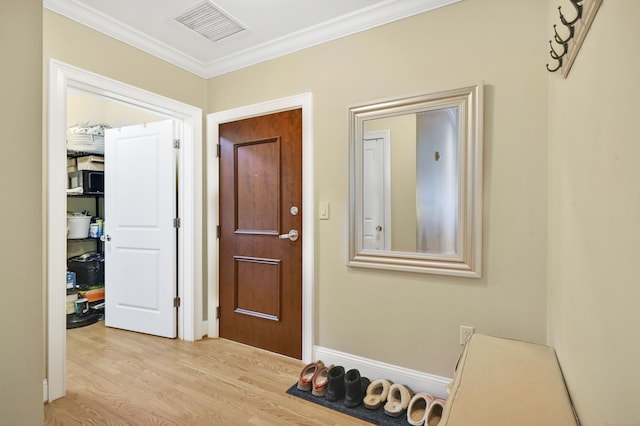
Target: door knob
{"points": [[104, 237], [292, 235]]}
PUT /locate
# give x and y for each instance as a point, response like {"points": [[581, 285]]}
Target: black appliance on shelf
{"points": [[91, 181]]}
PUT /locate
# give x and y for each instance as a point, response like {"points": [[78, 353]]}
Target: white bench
{"points": [[508, 382]]}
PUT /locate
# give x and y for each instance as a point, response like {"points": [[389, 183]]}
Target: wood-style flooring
{"points": [[117, 377]]}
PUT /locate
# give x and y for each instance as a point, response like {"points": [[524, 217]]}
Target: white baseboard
{"points": [[416, 380], [204, 330], [45, 391]]}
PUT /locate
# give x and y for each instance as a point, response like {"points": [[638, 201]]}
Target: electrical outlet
{"points": [[465, 333]]}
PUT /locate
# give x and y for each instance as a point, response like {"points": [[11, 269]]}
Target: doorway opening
{"points": [[64, 78], [89, 120]]}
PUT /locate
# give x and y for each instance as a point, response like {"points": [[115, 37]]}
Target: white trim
{"points": [[417, 381], [380, 13], [189, 118], [305, 101], [45, 391]]}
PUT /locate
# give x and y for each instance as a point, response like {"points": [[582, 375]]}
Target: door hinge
{"points": [[218, 150], [176, 143], [218, 312], [176, 302], [218, 232], [176, 222]]}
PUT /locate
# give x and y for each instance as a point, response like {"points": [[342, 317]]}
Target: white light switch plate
{"points": [[323, 210]]}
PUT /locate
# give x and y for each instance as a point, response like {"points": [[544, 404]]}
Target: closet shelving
{"points": [[98, 196], [95, 312]]}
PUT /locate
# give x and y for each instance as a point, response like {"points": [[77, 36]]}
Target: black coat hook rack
{"points": [[568, 37]]}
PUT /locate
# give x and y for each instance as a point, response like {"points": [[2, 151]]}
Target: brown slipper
{"points": [[320, 381], [307, 375]]}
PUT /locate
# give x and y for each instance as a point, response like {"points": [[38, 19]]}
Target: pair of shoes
{"points": [[349, 386], [308, 374], [377, 393], [397, 400], [320, 381], [435, 412], [418, 408]]}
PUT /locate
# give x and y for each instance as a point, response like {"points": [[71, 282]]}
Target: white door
{"points": [[140, 238], [376, 188]]}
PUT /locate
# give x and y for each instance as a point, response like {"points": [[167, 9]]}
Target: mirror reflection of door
{"points": [[376, 184]]}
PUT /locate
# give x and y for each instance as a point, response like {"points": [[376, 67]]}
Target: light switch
{"points": [[323, 210]]}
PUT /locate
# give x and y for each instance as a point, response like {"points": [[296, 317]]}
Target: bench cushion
{"points": [[507, 382]]}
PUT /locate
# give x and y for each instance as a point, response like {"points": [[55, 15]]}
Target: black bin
{"points": [[89, 269]]}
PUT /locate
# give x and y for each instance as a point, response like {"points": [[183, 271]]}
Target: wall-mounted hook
{"points": [[556, 68], [578, 6], [556, 55], [564, 56], [559, 39]]}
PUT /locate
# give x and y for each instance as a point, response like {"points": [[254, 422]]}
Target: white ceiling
{"points": [[272, 27]]}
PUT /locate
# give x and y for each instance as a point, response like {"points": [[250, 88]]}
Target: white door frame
{"points": [[189, 123], [304, 101]]}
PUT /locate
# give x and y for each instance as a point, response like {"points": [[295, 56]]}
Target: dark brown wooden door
{"points": [[260, 272]]}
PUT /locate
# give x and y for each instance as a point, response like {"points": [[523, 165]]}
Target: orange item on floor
{"points": [[93, 295]]}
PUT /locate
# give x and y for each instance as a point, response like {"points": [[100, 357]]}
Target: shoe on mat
{"points": [[307, 374], [397, 400], [355, 388], [418, 408], [376, 395], [320, 381], [335, 386], [435, 412]]}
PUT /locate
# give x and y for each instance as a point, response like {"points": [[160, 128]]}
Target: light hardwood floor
{"points": [[117, 377]]}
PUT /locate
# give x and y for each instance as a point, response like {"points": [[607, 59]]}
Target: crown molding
{"points": [[345, 25], [348, 24], [105, 24]]}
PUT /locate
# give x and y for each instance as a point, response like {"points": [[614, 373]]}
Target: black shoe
{"points": [[335, 387], [355, 388]]}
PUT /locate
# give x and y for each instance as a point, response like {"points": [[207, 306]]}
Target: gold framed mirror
{"points": [[416, 183]]}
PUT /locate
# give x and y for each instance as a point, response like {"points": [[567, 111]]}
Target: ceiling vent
{"points": [[209, 22]]}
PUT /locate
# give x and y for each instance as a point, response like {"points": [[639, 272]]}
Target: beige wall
{"points": [[21, 334], [594, 228], [412, 320]]}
